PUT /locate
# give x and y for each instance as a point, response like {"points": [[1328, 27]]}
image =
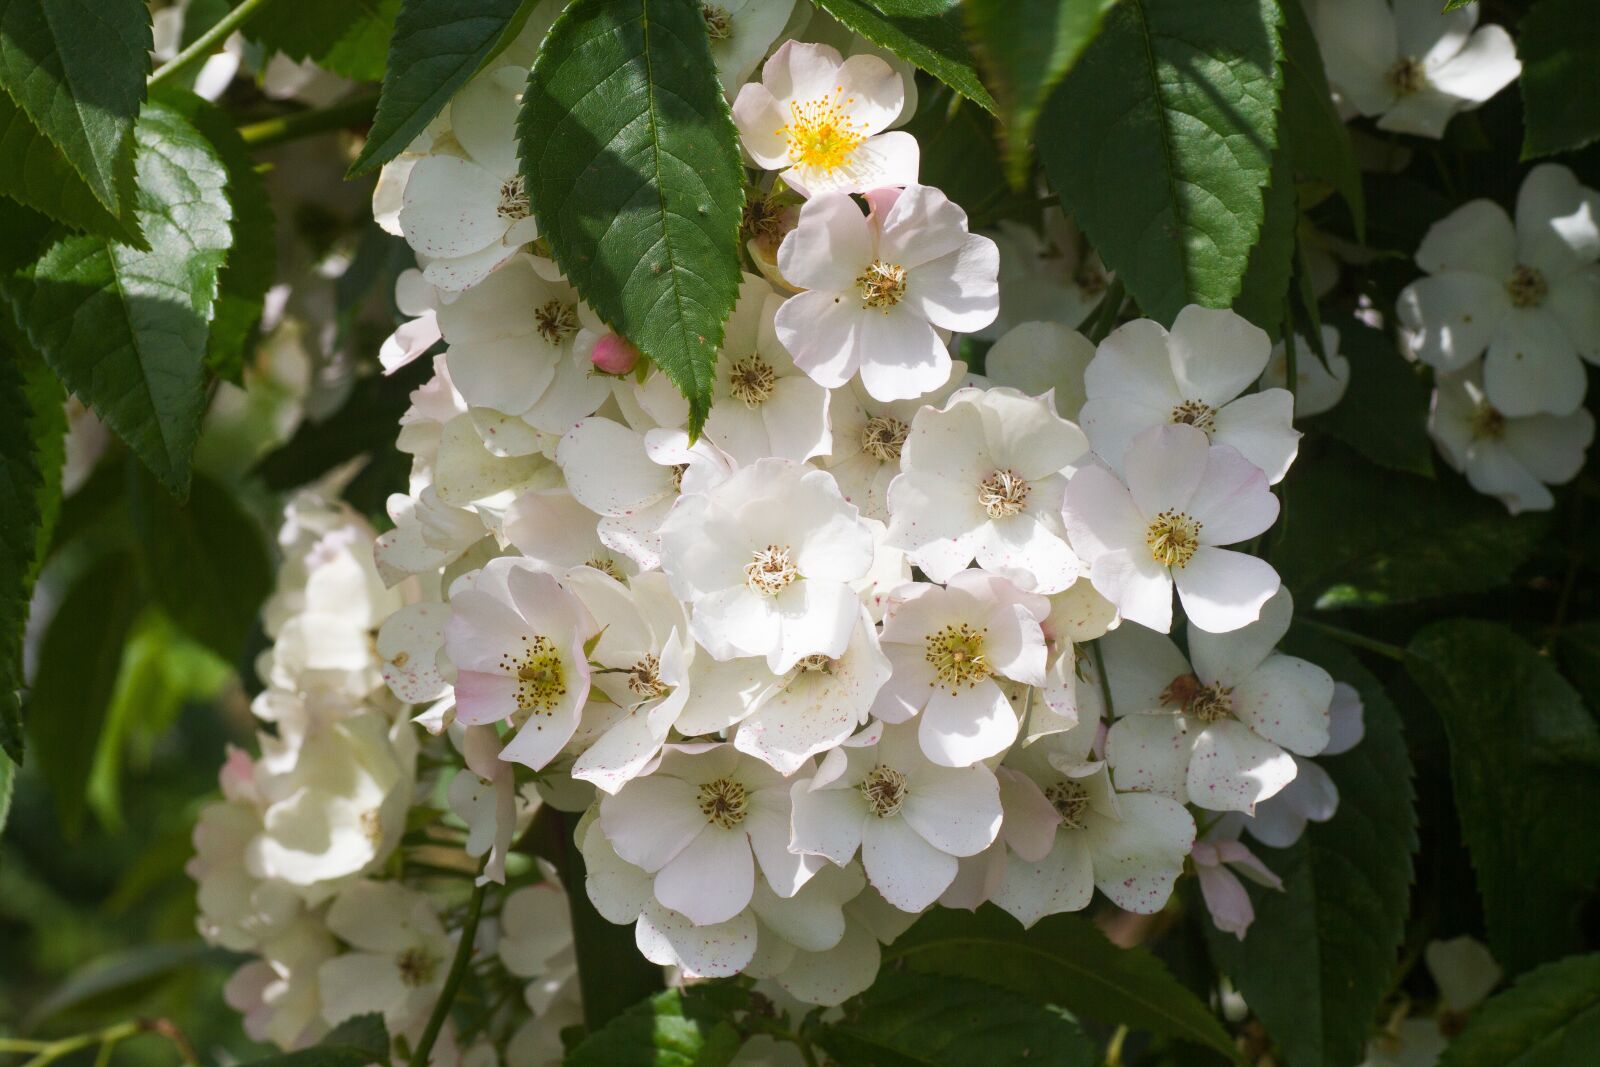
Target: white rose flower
{"points": [[817, 119], [1527, 293], [1221, 736], [278, 994], [766, 558], [1183, 500], [983, 477], [517, 640], [947, 647], [401, 954], [1043, 357], [1410, 63], [741, 31], [1318, 387], [910, 818], [881, 288], [1144, 376], [699, 824], [557, 533], [536, 931], [1512, 459], [1050, 277], [1279, 821]]}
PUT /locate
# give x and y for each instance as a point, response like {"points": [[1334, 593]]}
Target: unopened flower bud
{"points": [[614, 355]]}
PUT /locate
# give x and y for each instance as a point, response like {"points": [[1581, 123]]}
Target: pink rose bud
{"points": [[614, 355]]}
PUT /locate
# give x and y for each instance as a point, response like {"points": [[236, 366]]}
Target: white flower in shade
{"points": [[818, 120], [1465, 973], [1411, 65], [428, 535], [237, 910], [1182, 501], [849, 967], [557, 533], [515, 348], [1318, 386], [1028, 829], [1512, 459], [535, 931], [1043, 357], [813, 923], [910, 818], [414, 297], [761, 404], [818, 706], [949, 646], [699, 824], [631, 480], [1312, 796], [1526, 293], [644, 656], [1144, 376], [868, 437], [399, 959], [517, 639], [278, 994], [1222, 735], [483, 794], [1130, 846], [741, 31], [1219, 859], [881, 288], [983, 477], [1049, 277], [1078, 613], [467, 214], [766, 558]]}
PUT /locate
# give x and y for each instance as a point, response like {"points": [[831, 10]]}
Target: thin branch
{"points": [[1354, 640], [293, 127], [207, 42], [452, 982]]}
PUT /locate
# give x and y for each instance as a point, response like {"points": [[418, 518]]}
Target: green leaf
{"points": [[32, 426], [1265, 288], [1063, 960], [360, 1041], [8, 784], [1384, 413], [205, 561], [101, 979], [1452, 5], [1446, 540], [636, 178], [1026, 47], [1558, 42], [1346, 893], [127, 330], [361, 1032], [348, 37], [1578, 650], [1525, 766], [677, 1028], [34, 172], [924, 33], [77, 69], [961, 158], [906, 1020], [437, 46], [252, 262], [78, 666], [1160, 143], [1317, 139], [1550, 1018]]}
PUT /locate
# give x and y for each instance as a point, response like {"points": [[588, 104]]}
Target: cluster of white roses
{"points": [[824, 666], [295, 864]]}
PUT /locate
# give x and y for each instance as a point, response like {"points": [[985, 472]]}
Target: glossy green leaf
{"points": [[1445, 540], [1384, 413], [1063, 960], [961, 158], [78, 666], [205, 560], [34, 172], [437, 46], [1558, 42], [1346, 892], [925, 1020], [24, 493], [676, 1028], [348, 37], [127, 330], [77, 68], [924, 33], [631, 162], [1550, 1018], [1025, 48], [1317, 138], [1160, 143], [8, 784], [1525, 767], [1265, 289]]}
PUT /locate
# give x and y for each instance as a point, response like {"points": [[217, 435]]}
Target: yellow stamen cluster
{"points": [[751, 380], [513, 200], [1208, 703], [724, 802], [1407, 76], [541, 680], [644, 678], [820, 133], [1196, 413], [957, 657], [719, 24], [1003, 493], [769, 570], [882, 438], [1172, 538], [882, 285], [1071, 801], [556, 321], [884, 790], [1527, 287], [817, 661], [417, 967], [1487, 423]]}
